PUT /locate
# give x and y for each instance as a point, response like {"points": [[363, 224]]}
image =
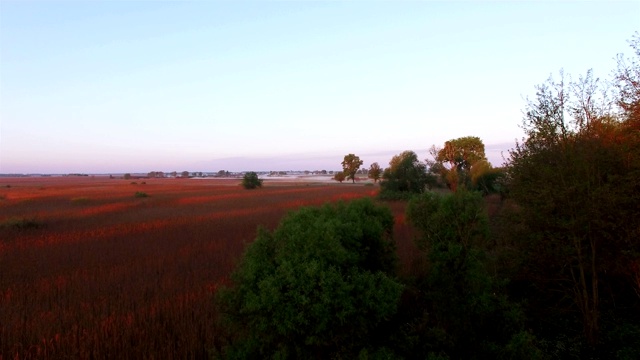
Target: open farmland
{"points": [[88, 270]]}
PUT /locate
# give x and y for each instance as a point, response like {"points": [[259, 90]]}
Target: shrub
{"points": [[140, 194], [250, 180], [21, 223], [80, 200], [317, 286]]}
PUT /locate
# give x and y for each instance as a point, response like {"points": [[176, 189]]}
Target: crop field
{"points": [[97, 268]]}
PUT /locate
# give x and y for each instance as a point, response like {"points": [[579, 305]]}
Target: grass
{"points": [[122, 278]]}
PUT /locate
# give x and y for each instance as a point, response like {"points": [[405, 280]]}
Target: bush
{"points": [[250, 180], [318, 286], [80, 200], [140, 194], [21, 224]]}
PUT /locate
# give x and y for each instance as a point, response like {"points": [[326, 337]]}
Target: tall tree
{"points": [[578, 193], [375, 172], [350, 166], [405, 174], [457, 157]]}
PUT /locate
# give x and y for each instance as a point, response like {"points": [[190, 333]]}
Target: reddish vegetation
{"points": [[109, 275]]}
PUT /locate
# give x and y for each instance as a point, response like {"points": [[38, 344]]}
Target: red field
{"points": [[88, 270]]}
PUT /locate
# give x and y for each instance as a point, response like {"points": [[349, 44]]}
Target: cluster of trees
{"points": [[553, 273], [460, 163]]}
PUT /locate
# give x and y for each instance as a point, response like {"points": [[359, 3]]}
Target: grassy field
{"points": [[92, 268]]}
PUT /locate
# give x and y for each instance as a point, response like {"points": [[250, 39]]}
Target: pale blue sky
{"points": [[128, 86]]}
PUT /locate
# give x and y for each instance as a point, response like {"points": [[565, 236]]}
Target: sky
{"points": [[138, 86]]}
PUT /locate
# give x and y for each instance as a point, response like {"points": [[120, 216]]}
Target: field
{"points": [[91, 268]]}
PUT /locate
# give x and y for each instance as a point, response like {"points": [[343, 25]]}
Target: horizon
{"points": [[116, 87]]}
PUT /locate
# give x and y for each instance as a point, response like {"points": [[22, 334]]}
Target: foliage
{"points": [[350, 166], [455, 160], [21, 223], [466, 314], [405, 175], [80, 200], [127, 176], [320, 285], [141, 194], [339, 176], [485, 178], [576, 180], [627, 83], [375, 172], [250, 180]]}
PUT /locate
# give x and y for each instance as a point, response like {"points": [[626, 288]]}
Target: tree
{"points": [[350, 166], [250, 180], [627, 82], [319, 286], [485, 178], [339, 176], [466, 314], [575, 179], [127, 176], [456, 159], [185, 174], [405, 174], [375, 172]]}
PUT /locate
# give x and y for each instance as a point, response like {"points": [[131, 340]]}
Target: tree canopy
{"points": [[317, 286], [457, 157], [405, 174], [375, 172], [575, 178], [350, 166], [251, 180]]}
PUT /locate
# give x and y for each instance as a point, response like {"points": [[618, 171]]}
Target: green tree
{"points": [[466, 313], [375, 172], [339, 176], [456, 159], [350, 166], [321, 285], [485, 178], [250, 180], [127, 176], [405, 175]]}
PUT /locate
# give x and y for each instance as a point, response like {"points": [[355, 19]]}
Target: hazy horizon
{"points": [[100, 87]]}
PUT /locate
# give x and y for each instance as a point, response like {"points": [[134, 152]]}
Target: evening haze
{"points": [[100, 87]]}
